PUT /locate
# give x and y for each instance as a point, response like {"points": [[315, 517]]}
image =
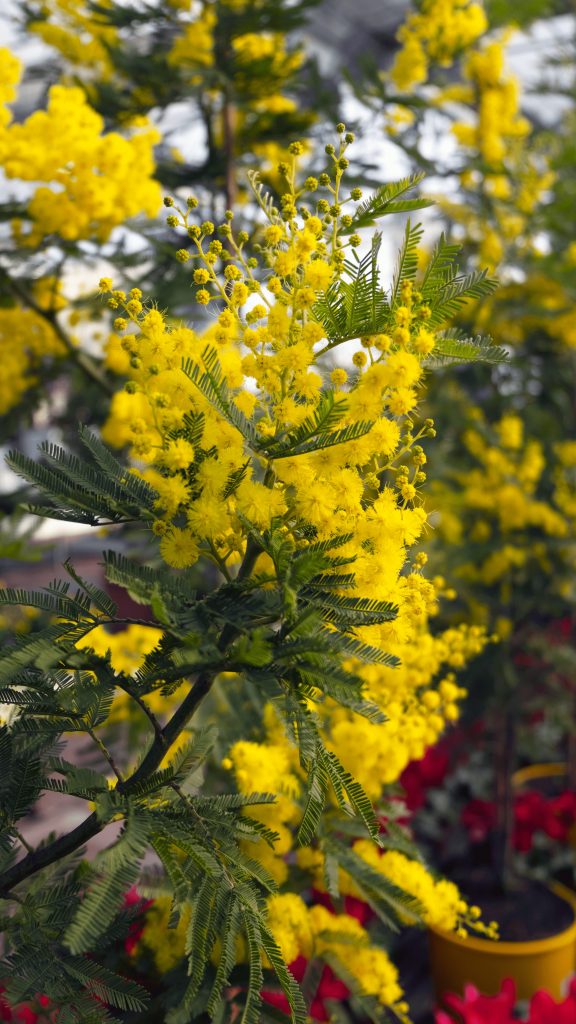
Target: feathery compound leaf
{"points": [[230, 932], [120, 865], [40, 649], [451, 349], [325, 417], [350, 433], [358, 649], [140, 490], [98, 597], [354, 611], [316, 789], [289, 987], [449, 300], [391, 903], [201, 931], [407, 263], [387, 199], [51, 599], [210, 381], [77, 486], [441, 268], [355, 308], [251, 1012], [120, 992], [343, 781], [143, 581]]}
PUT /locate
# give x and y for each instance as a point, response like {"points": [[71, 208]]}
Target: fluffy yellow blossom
{"points": [[440, 901], [194, 47], [499, 118], [106, 179], [70, 27], [436, 33], [179, 548], [167, 945], [26, 340]]}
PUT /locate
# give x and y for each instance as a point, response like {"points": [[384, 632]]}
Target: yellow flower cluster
{"points": [[194, 46], [315, 931], [167, 945], [418, 707], [263, 355], [497, 501], [262, 52], [495, 95], [269, 767], [11, 70], [26, 339], [511, 178], [536, 305], [274, 384], [417, 703], [440, 901], [104, 180], [266, 341], [435, 34], [80, 34]]}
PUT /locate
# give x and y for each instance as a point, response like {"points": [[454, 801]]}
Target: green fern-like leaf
{"points": [[121, 992], [120, 866], [325, 418], [448, 300], [440, 269], [407, 263], [349, 433], [210, 381], [451, 349], [386, 200], [357, 307]]}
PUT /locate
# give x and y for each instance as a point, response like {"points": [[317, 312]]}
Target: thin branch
{"points": [[142, 705], [91, 826], [22, 840], [105, 753]]}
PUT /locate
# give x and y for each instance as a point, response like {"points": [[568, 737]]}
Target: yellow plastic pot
{"points": [[552, 770], [540, 964], [524, 776]]}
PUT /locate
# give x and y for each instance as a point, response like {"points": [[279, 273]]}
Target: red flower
{"points": [[561, 816], [545, 1010], [131, 899], [479, 818], [420, 776], [533, 812], [25, 1015], [329, 987], [358, 909], [475, 1008], [5, 1011]]}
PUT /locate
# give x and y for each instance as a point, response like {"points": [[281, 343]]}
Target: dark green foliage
{"points": [[286, 640]]}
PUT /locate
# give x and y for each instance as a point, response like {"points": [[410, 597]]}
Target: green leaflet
{"points": [[120, 866], [358, 306], [386, 200]]}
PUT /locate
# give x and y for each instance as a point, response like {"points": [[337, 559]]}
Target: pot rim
{"points": [[525, 948], [546, 770]]}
